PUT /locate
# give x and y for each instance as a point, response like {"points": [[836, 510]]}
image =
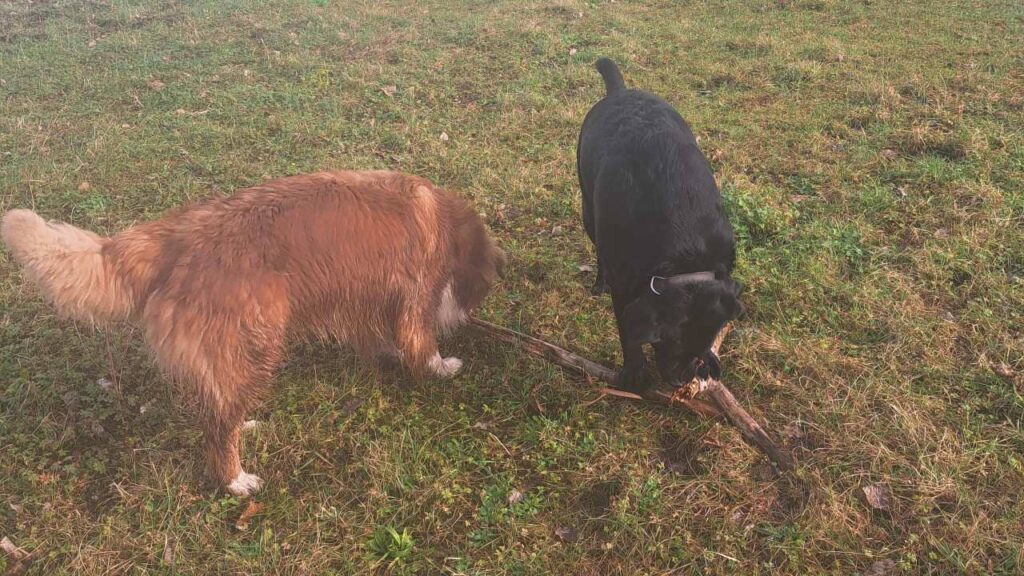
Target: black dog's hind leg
{"points": [[600, 285]]}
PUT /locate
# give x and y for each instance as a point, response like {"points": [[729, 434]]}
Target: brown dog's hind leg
{"points": [[240, 372]]}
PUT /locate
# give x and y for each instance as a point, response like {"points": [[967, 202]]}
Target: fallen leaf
{"points": [[92, 43], [389, 90], [251, 510], [878, 496], [180, 112], [104, 383], [515, 497], [12, 551], [444, 136], [942, 233], [1003, 370], [168, 552], [567, 534], [572, 51], [156, 85], [586, 268], [557, 231], [82, 187]]}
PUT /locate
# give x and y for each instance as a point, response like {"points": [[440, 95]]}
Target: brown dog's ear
{"points": [[501, 261], [640, 321]]}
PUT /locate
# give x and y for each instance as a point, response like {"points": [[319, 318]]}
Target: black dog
{"points": [[665, 248]]}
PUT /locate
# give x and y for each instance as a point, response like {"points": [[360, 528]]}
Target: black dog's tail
{"points": [[613, 81]]}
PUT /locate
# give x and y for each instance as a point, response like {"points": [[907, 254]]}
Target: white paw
{"points": [[445, 367], [245, 484]]}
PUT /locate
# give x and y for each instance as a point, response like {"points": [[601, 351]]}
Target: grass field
{"points": [[872, 158]]}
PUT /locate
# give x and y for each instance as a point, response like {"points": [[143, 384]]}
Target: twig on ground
{"points": [[752, 432]]}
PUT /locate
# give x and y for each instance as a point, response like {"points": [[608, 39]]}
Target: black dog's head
{"points": [[681, 323]]}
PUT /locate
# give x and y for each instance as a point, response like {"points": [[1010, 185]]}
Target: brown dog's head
{"points": [[681, 324], [479, 262]]}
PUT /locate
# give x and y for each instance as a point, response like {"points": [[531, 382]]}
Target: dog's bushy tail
{"points": [[68, 265], [613, 81]]}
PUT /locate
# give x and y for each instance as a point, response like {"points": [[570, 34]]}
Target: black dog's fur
{"points": [[652, 208]]}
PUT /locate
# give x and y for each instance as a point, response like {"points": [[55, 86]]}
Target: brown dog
{"points": [[379, 260]]}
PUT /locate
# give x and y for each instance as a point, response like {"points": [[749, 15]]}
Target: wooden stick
{"points": [[581, 365], [752, 432]]}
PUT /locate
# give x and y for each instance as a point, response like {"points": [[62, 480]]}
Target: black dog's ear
{"points": [[641, 322], [731, 300]]}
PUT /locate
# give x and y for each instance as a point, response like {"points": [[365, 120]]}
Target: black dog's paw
{"points": [[636, 382]]}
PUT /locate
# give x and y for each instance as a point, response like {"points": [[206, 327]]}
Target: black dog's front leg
{"points": [[633, 376]]}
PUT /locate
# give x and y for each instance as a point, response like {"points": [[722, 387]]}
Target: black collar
{"points": [[679, 280]]}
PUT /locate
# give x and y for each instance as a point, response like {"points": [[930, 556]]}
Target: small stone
{"points": [[572, 51], [443, 137], [878, 496], [567, 534], [70, 399], [351, 406], [881, 568]]}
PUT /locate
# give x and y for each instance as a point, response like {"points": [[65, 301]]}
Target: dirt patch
{"points": [[917, 143], [597, 500], [681, 454]]}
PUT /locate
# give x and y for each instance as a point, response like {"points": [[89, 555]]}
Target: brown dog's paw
{"points": [[445, 367], [245, 484]]}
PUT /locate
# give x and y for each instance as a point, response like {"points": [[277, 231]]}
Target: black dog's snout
{"points": [[710, 367]]}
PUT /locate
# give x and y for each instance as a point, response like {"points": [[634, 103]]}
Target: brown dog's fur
{"points": [[379, 260]]}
